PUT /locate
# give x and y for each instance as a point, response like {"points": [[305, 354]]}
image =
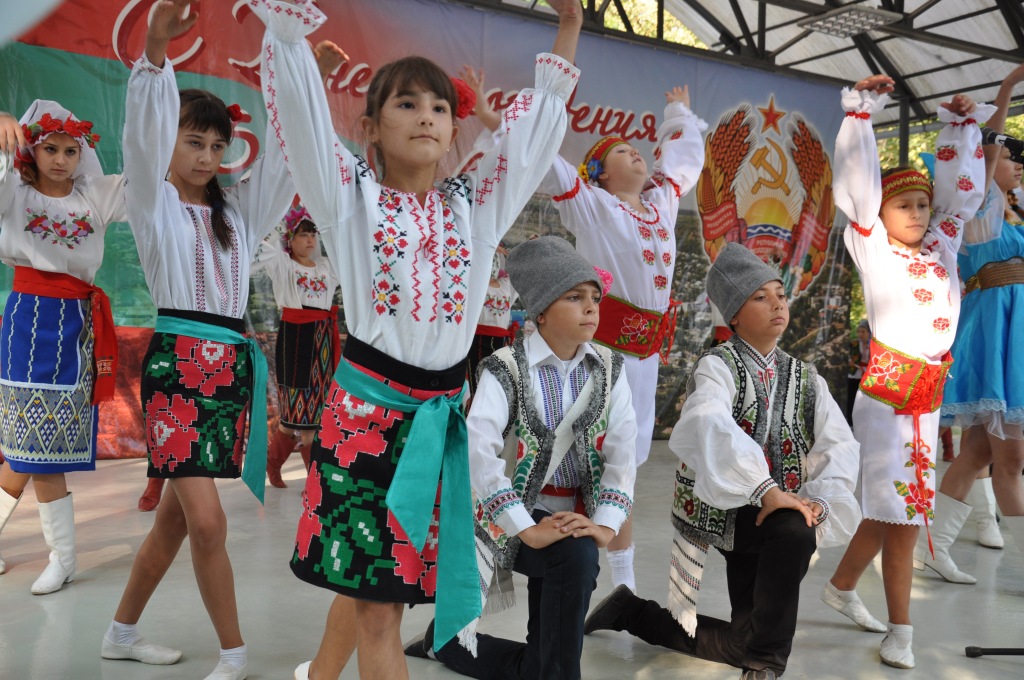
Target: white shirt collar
{"points": [[538, 353]]}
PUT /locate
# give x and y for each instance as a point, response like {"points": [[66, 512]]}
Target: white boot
{"points": [[58, 518], [983, 511], [7, 505], [950, 515]]}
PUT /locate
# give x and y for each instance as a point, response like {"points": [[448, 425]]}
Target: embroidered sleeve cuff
{"points": [[825, 509], [762, 488], [863, 101], [682, 113], [288, 22], [556, 75], [144, 65], [506, 509], [983, 112]]}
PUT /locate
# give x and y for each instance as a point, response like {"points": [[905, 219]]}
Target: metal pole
{"points": [[905, 130]]}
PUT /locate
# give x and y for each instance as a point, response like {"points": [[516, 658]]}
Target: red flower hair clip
{"points": [[465, 98], [606, 280], [237, 116]]}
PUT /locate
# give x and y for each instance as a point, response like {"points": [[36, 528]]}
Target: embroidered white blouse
{"points": [[638, 249], [62, 235], [488, 417], [497, 309], [185, 266], [414, 277], [729, 466], [912, 300], [295, 285]]}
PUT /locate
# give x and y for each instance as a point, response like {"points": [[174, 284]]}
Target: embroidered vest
{"points": [[785, 435], [530, 445]]}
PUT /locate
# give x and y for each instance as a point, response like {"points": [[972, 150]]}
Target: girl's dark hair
{"points": [[29, 172], [1014, 204], [401, 76], [203, 111], [305, 226]]}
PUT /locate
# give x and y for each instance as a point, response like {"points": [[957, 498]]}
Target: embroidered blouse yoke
{"points": [[414, 277]]}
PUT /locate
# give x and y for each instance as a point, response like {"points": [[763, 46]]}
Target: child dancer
{"points": [[492, 329], [984, 392], [624, 221], [568, 442], [58, 350], [908, 268], [414, 260], [308, 345], [201, 377], [759, 428]]}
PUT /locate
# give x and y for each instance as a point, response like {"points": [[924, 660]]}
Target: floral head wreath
{"points": [[902, 181], [593, 163], [46, 118], [465, 98]]}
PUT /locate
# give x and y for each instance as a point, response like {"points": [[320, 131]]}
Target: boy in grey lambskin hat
{"points": [[734, 276], [543, 268]]}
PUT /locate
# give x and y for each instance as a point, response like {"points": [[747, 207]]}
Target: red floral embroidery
{"points": [[787, 446], [978, 152], [663, 233], [941, 324], [660, 282], [747, 426], [309, 522], [350, 427], [917, 498], [635, 327], [648, 256], [170, 434], [599, 442], [941, 272], [688, 507], [949, 228], [946, 152], [454, 306], [238, 451], [415, 567], [792, 481], [520, 450], [917, 269], [204, 365], [923, 295], [964, 183], [667, 259], [645, 232]]}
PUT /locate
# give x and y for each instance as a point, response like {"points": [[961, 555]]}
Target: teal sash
{"points": [[255, 468], [437, 441]]}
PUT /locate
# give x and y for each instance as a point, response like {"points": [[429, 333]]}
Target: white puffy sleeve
{"points": [[987, 223], [150, 133], [678, 157], [324, 172], [959, 174], [858, 175], [577, 201], [729, 467], [265, 195], [528, 138], [833, 464], [106, 192], [615, 499]]}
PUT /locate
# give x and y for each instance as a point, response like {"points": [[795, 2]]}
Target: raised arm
{"points": [[679, 154], [858, 175], [323, 171], [12, 138]]}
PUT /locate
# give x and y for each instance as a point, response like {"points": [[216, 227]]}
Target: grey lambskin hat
{"points": [[542, 269], [734, 276]]}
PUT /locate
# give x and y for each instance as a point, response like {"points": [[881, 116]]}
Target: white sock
{"points": [[621, 562], [236, 658], [123, 633]]}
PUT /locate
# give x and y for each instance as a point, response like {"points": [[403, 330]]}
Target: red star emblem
{"points": [[771, 116]]}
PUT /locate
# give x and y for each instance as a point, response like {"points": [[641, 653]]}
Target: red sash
{"points": [[636, 331], [497, 331], [912, 386], [300, 316], [64, 286]]}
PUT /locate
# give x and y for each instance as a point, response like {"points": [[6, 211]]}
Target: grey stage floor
{"points": [[58, 636]]}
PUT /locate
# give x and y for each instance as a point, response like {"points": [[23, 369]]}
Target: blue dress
{"points": [[986, 381]]}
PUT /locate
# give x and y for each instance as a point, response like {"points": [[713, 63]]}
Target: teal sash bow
{"points": [[437, 441], [255, 468]]}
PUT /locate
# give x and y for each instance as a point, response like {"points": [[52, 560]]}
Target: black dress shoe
{"points": [[763, 674], [420, 646], [608, 611]]}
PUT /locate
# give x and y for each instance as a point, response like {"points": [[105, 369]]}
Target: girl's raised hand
{"points": [[960, 105], [475, 80], [880, 84], [171, 18], [567, 9], [678, 94], [328, 57], [1015, 77], [12, 137]]}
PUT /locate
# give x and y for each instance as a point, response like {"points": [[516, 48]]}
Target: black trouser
{"points": [[763, 571], [562, 577]]}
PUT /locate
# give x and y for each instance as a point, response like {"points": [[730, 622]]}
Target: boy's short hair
{"points": [[542, 269], [734, 276]]}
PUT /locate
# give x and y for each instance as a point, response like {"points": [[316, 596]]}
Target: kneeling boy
{"points": [[551, 439], [769, 468]]}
